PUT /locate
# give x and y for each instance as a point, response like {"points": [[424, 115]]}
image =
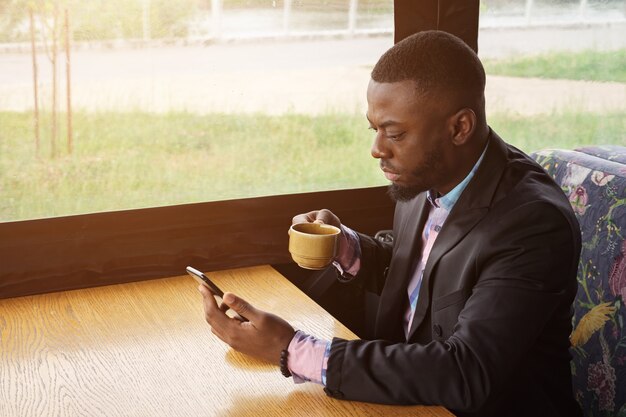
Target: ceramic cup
{"points": [[313, 245]]}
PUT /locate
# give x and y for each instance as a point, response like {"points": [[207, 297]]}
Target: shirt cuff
{"points": [[308, 358], [348, 260]]}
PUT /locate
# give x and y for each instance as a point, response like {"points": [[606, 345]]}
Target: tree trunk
{"points": [[68, 82], [35, 89]]}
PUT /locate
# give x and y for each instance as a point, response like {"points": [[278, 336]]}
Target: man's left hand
{"points": [[264, 336]]}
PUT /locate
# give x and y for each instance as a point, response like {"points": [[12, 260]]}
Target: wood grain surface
{"points": [[144, 349]]}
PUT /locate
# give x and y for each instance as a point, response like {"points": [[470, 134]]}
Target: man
{"points": [[476, 291]]}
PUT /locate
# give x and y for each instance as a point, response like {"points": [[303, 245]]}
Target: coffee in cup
{"points": [[313, 245]]}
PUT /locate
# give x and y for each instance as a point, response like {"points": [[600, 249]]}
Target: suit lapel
{"points": [[471, 207], [394, 297]]}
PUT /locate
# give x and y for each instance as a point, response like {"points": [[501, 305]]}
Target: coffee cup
{"points": [[313, 245]]}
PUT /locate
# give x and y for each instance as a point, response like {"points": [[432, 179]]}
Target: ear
{"points": [[462, 126]]}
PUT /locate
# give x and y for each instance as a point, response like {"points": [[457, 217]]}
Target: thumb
{"points": [[241, 306]]}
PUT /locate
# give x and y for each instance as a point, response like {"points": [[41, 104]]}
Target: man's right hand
{"points": [[318, 216]]}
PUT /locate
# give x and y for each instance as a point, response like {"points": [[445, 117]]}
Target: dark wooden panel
{"points": [[45, 255], [458, 17]]}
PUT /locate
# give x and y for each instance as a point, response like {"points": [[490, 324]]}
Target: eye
{"points": [[395, 136]]}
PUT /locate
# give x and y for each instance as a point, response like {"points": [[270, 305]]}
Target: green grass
{"points": [[132, 160], [566, 130], [588, 65]]}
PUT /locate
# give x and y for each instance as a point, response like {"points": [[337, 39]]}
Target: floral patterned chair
{"points": [[594, 179]]}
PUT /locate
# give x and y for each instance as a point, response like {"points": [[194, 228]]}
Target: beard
{"points": [[425, 177], [402, 194]]}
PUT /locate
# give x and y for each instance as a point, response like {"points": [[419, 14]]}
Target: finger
{"points": [[212, 312], [219, 335], [305, 217], [242, 307], [207, 293], [224, 307], [207, 297], [327, 217]]}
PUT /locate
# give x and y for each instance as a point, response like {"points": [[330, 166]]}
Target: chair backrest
{"points": [[594, 179]]}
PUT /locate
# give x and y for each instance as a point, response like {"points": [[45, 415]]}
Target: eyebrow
{"points": [[383, 125]]}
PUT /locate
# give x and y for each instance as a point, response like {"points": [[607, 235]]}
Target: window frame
{"points": [[81, 251]]}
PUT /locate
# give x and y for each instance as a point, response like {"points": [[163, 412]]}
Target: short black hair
{"points": [[437, 61]]}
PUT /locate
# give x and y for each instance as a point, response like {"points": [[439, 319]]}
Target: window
{"points": [[556, 71], [194, 101], [183, 102]]}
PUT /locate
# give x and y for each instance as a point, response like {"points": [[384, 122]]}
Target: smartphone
{"points": [[217, 293]]}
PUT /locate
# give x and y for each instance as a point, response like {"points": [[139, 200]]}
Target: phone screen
{"points": [[218, 294]]}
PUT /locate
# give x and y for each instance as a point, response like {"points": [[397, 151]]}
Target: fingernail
{"points": [[229, 298]]}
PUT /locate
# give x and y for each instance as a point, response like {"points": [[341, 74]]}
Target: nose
{"points": [[378, 150]]}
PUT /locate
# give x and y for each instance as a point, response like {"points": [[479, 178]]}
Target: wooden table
{"points": [[144, 349]]}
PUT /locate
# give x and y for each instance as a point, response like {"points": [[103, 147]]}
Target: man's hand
{"points": [[264, 336], [318, 216]]}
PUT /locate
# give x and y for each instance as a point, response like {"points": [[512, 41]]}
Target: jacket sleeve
{"points": [[523, 282], [375, 259]]}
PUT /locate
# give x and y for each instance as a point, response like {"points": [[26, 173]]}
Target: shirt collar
{"points": [[448, 200]]}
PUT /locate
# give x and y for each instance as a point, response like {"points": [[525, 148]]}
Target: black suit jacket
{"points": [[490, 335]]}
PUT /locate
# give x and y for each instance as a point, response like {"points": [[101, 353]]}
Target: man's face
{"points": [[411, 139]]}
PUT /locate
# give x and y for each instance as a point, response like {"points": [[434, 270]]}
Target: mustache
{"points": [[387, 167]]}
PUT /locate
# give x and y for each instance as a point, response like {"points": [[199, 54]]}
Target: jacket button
{"points": [[437, 330]]}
